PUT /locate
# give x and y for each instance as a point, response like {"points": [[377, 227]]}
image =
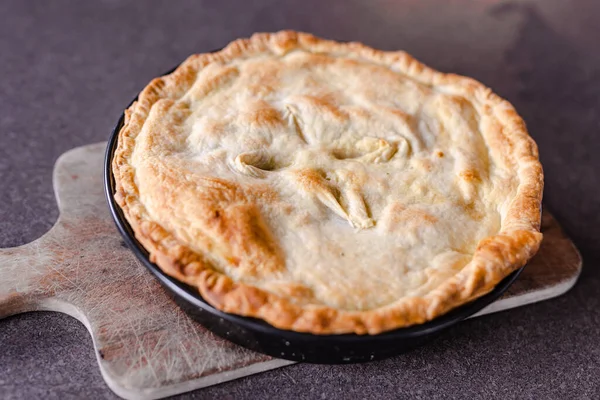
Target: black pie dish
{"points": [[259, 336]]}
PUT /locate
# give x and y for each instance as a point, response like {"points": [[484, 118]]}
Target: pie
{"points": [[328, 187]]}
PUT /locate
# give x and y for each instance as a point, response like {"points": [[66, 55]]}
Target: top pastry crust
{"points": [[328, 187]]}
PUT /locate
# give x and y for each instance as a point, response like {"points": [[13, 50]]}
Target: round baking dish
{"points": [[257, 335]]}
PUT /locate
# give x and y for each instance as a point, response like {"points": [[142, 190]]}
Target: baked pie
{"points": [[328, 187]]}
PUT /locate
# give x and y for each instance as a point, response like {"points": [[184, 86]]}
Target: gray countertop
{"points": [[68, 68]]}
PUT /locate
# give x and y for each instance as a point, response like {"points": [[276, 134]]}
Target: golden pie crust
{"points": [[328, 187]]}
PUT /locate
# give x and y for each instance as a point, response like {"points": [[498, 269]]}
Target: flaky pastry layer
{"points": [[328, 187]]}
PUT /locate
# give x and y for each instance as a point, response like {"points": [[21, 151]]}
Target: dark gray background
{"points": [[68, 68]]}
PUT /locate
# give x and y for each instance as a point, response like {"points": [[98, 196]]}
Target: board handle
{"points": [[24, 277]]}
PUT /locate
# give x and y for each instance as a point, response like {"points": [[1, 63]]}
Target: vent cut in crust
{"points": [[328, 187]]}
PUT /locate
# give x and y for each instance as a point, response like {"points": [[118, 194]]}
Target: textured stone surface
{"points": [[67, 69]]}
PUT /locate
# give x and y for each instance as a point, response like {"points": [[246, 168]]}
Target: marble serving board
{"points": [[146, 347]]}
